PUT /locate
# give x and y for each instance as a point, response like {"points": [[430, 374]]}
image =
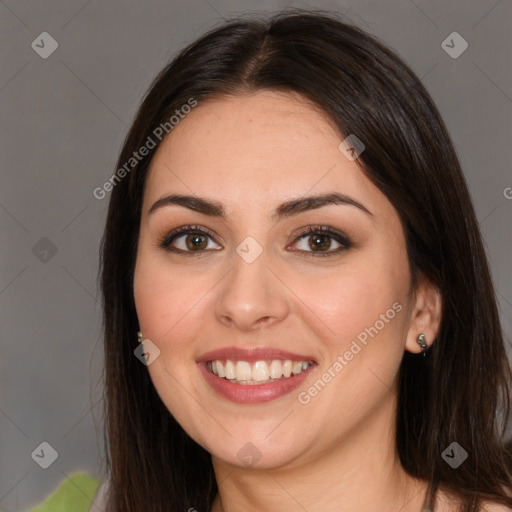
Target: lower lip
{"points": [[256, 393]]}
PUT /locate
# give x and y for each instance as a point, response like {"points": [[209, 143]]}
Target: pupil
{"points": [[321, 241], [195, 241]]}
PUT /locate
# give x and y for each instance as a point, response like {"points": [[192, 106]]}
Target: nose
{"points": [[251, 295]]}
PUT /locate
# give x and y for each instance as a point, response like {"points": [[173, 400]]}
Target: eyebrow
{"points": [[286, 209]]}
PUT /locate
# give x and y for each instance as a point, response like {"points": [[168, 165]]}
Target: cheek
{"points": [[167, 303], [345, 303], [359, 313], [168, 308]]}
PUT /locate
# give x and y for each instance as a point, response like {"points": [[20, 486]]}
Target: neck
{"points": [[359, 472]]}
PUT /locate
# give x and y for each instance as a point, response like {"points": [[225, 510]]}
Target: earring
{"points": [[422, 344], [139, 337]]}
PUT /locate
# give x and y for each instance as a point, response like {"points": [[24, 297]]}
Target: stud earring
{"points": [[422, 343], [139, 337]]}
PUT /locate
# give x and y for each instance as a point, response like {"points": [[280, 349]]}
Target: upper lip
{"points": [[252, 354]]}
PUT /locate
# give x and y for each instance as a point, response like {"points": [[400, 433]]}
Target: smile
{"points": [[251, 375], [256, 372]]}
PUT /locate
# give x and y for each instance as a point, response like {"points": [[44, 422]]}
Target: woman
{"points": [[291, 238]]}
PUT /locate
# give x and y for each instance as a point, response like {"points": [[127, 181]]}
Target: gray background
{"points": [[63, 121]]}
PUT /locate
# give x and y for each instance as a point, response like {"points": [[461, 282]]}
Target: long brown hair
{"points": [[456, 393]]}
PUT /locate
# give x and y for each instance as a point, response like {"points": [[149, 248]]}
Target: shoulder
{"points": [[490, 506], [99, 502], [494, 507], [446, 500]]}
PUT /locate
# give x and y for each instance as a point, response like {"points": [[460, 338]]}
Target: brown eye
{"points": [[195, 241], [320, 240], [314, 241], [187, 240]]}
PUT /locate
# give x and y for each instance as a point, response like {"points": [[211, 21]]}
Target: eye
{"points": [[319, 240], [187, 239]]}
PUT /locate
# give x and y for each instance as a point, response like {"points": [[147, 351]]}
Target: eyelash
{"points": [[166, 240]]}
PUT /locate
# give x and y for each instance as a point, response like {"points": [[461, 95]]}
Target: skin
{"points": [[337, 453]]}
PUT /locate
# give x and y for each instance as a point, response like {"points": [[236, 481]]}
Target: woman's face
{"points": [[259, 291]]}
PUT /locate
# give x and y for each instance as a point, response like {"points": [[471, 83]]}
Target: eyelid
{"points": [[167, 237], [165, 240], [316, 228], [340, 237]]}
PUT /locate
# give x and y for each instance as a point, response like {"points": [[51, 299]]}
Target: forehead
{"points": [[255, 150]]}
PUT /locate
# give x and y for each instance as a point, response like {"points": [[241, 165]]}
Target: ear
{"points": [[425, 316]]}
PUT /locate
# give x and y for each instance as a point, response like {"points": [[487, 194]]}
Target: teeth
{"points": [[258, 372], [276, 369], [296, 368], [220, 369], [243, 370], [230, 370]]}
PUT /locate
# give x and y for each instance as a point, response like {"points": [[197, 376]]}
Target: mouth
{"points": [[254, 375]]}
